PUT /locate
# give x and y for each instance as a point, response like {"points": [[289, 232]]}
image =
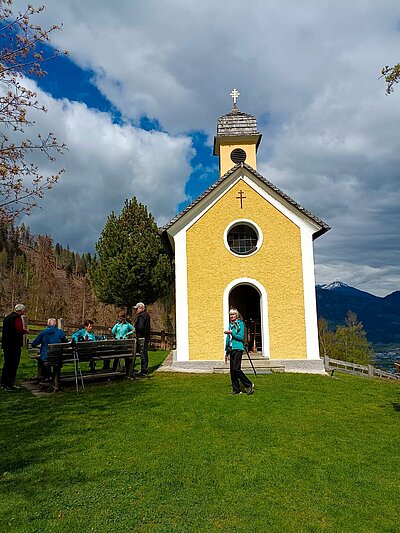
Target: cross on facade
{"points": [[235, 95], [241, 198]]}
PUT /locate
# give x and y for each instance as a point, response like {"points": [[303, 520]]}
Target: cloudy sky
{"points": [[138, 100]]}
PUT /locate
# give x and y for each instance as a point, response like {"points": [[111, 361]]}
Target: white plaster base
{"points": [[315, 366], [306, 366], [196, 367]]}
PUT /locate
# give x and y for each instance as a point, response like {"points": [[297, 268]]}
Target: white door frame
{"points": [[263, 309]]}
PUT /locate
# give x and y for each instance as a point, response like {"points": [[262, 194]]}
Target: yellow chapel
{"points": [[244, 243]]}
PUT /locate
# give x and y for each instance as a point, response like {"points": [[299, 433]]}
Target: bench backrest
{"points": [[110, 348], [62, 352]]}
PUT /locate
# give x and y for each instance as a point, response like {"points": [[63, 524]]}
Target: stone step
{"points": [[261, 365], [271, 370], [255, 356]]}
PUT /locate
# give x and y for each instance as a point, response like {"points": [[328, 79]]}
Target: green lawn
{"points": [[176, 452]]}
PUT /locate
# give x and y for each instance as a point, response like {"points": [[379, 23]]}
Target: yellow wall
{"points": [[225, 151], [277, 266]]}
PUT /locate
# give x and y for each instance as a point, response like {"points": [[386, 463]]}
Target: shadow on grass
{"points": [[36, 430], [156, 359], [396, 406]]}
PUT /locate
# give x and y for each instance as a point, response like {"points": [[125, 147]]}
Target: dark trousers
{"points": [[45, 370], [237, 375], [142, 346], [117, 364], [12, 357]]}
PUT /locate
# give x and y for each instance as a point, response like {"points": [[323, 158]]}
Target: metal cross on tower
{"points": [[235, 95]]}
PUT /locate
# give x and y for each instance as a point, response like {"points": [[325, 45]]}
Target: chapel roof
{"points": [[324, 226]]}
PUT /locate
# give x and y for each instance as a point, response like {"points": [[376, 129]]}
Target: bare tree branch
{"points": [[21, 183], [392, 76]]}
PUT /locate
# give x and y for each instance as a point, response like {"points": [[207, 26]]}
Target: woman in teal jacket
{"points": [[86, 333], [122, 328], [234, 350]]}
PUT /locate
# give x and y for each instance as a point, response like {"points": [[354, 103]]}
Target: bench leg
{"points": [[56, 378], [129, 366]]}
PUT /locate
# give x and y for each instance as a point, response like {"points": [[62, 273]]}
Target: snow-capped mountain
{"points": [[380, 316], [339, 286], [333, 285]]}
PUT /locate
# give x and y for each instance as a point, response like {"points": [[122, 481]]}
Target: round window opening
{"points": [[242, 239], [238, 155]]}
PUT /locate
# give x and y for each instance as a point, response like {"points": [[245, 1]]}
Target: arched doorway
{"points": [[246, 299]]}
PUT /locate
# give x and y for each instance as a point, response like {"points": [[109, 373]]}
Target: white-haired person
{"points": [[51, 335], [234, 347], [11, 342]]}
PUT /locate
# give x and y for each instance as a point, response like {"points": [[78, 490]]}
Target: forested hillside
{"points": [[49, 279], [53, 281]]}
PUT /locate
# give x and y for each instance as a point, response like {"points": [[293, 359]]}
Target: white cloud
{"points": [[307, 70], [105, 164], [177, 61]]}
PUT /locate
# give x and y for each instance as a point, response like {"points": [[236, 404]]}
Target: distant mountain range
{"points": [[379, 315]]}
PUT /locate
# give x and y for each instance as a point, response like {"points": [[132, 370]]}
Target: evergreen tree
{"points": [[132, 264]]}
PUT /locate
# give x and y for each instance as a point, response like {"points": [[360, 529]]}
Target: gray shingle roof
{"points": [[324, 226], [237, 123]]}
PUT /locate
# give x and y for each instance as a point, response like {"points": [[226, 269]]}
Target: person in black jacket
{"points": [[11, 342], [142, 327]]}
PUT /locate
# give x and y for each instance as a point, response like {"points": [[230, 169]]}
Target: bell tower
{"points": [[237, 138]]}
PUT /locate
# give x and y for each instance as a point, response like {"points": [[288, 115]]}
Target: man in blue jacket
{"points": [[51, 335]]}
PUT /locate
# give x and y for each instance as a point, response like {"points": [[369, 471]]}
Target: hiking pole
{"points": [[75, 370], [251, 362], [77, 367]]}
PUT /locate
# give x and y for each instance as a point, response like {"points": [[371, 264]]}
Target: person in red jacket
{"points": [[11, 342]]}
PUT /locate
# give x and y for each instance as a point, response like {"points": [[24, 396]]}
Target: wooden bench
{"points": [[59, 355]]}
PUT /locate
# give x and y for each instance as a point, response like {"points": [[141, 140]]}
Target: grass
{"points": [[177, 453]]}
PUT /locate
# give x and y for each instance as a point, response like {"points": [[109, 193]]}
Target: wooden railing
{"points": [[369, 371], [159, 340]]}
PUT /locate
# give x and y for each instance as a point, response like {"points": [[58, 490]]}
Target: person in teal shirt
{"points": [[122, 328], [86, 333], [234, 350]]}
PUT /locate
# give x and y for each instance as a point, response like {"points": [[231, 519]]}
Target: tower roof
{"points": [[237, 123]]}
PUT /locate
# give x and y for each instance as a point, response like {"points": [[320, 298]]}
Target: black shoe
{"points": [[250, 390], [8, 389], [234, 392]]}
